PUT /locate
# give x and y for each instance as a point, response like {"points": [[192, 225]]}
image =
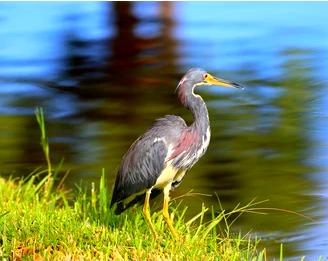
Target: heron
{"points": [[159, 159]]}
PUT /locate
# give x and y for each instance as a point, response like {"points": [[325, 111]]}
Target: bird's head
{"points": [[199, 77]]}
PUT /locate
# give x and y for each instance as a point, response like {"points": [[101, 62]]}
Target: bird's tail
{"points": [[121, 207]]}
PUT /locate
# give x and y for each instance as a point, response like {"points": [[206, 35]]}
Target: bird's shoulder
{"points": [[168, 127], [159, 136], [170, 120]]}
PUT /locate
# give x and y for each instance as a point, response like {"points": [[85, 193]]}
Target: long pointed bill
{"points": [[210, 79]]}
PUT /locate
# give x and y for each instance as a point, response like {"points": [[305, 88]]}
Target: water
{"points": [[104, 71]]}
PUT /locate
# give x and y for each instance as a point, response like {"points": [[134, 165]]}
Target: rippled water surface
{"points": [[104, 71]]}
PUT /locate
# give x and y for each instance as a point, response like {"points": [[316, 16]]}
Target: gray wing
{"points": [[144, 161], [140, 168]]}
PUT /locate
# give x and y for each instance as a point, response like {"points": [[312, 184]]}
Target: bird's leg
{"points": [[166, 210], [147, 213]]}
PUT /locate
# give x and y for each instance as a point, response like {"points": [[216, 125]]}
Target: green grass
{"points": [[35, 224], [41, 221]]}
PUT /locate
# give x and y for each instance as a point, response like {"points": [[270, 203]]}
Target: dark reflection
{"points": [[126, 45], [101, 92]]}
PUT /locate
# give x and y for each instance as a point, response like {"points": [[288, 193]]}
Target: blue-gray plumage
{"points": [[159, 159], [144, 161]]}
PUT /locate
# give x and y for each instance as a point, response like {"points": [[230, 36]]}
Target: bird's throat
{"points": [[199, 111]]}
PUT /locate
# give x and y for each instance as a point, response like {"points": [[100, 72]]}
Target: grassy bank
{"points": [[41, 221], [38, 224]]}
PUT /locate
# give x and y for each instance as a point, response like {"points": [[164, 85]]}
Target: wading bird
{"points": [[159, 159]]}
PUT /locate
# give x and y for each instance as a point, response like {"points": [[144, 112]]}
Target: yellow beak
{"points": [[211, 80]]}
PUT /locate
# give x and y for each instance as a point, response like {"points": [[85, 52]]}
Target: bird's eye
{"points": [[205, 76]]}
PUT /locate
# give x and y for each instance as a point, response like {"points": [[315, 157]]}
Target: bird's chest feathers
{"points": [[182, 157], [205, 142], [191, 147]]}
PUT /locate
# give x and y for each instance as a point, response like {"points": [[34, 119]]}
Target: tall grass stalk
{"points": [[46, 149]]}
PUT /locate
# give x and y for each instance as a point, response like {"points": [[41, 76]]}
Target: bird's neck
{"points": [[195, 104], [200, 115]]}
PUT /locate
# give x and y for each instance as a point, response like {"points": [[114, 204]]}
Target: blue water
{"points": [[99, 68]]}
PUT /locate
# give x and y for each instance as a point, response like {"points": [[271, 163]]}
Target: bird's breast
{"points": [[204, 144], [188, 152]]}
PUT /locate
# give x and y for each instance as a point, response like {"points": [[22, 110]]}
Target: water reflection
{"points": [[104, 71]]}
